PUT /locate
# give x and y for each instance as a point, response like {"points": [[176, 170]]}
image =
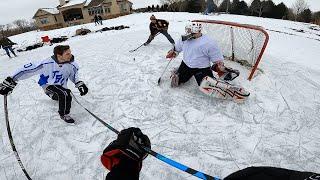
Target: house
{"points": [[75, 12]]}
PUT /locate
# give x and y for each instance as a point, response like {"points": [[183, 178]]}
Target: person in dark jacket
{"points": [[100, 19], [158, 26], [123, 157], [96, 19], [6, 44]]}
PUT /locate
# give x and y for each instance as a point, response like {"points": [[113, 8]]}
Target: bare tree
{"points": [[298, 7], [173, 4], [217, 2], [259, 7], [21, 24], [2, 30]]}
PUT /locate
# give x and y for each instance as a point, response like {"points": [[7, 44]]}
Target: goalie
{"points": [[199, 51]]}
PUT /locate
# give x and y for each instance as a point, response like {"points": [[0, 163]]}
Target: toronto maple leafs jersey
{"points": [[51, 73]]}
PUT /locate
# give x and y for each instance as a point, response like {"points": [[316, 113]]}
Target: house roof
{"points": [[51, 10], [48, 10], [92, 3], [74, 2]]}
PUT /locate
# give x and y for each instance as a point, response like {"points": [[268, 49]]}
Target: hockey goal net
{"points": [[242, 43]]}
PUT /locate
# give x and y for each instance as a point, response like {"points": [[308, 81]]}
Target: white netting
{"points": [[241, 43]]}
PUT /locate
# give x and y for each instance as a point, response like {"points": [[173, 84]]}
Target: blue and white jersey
{"points": [[51, 73], [198, 53]]}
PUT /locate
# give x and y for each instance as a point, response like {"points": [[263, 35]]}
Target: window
{"points": [[44, 21], [123, 8], [107, 10], [95, 10]]}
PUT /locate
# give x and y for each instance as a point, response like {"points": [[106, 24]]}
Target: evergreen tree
{"points": [[211, 7], [149, 8], [280, 11], [165, 7], [225, 6], [305, 16], [194, 6], [244, 9], [152, 8], [268, 8], [158, 8], [238, 7]]}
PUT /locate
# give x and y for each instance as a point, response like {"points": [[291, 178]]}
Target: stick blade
{"points": [[159, 80]]}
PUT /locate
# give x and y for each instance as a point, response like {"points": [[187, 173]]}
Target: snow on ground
{"points": [[278, 125]]}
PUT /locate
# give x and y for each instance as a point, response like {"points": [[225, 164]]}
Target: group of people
{"points": [[123, 157]]}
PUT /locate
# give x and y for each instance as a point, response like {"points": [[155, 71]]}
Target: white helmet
{"points": [[193, 27]]}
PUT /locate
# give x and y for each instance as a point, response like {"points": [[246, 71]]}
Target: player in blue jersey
{"points": [[54, 74]]}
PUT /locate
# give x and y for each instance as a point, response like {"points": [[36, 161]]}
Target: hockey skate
{"points": [[67, 118]]}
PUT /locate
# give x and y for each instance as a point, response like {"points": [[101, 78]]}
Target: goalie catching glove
{"points": [[7, 86], [225, 73], [123, 157]]}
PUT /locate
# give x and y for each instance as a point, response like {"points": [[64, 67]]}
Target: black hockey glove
{"points": [[82, 88], [7, 86], [123, 157]]}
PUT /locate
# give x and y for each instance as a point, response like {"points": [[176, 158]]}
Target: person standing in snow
{"points": [[96, 19], [54, 74], [199, 52], [123, 157], [7, 44], [158, 26], [100, 19]]}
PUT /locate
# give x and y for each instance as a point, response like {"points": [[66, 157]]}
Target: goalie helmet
{"points": [[193, 27]]}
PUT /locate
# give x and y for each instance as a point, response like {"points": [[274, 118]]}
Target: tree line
{"points": [[299, 11], [17, 27]]}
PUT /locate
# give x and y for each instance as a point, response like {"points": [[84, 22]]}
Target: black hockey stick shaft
{"points": [[141, 45], [11, 138], [136, 48]]}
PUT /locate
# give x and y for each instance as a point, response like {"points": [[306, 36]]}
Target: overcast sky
{"points": [[11, 10]]}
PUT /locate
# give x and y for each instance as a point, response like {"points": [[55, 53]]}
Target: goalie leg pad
{"points": [[223, 90]]}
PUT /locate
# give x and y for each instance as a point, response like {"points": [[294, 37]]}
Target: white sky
{"points": [[11, 10]]}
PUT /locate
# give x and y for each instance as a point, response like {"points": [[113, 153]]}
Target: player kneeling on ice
{"points": [[123, 157], [54, 74], [199, 51]]}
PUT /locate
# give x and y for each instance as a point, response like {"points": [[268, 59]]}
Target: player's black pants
{"points": [[61, 94], [271, 173], [185, 73], [164, 32]]}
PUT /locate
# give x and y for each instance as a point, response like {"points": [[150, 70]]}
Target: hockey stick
{"points": [[11, 139], [165, 69], [165, 159], [133, 50]]}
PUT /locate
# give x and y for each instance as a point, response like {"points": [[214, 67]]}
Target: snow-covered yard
{"points": [[278, 126]]}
